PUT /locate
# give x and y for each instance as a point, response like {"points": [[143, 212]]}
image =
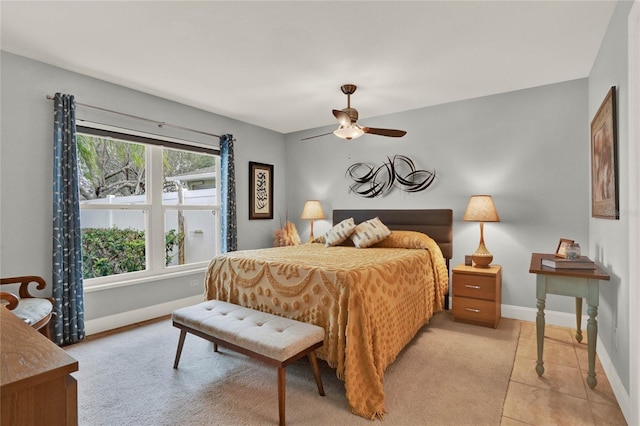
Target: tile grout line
{"points": [[513, 364]]}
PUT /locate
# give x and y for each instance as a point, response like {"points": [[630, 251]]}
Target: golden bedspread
{"points": [[371, 302]]}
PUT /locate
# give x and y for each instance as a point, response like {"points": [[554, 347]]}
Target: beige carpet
{"points": [[450, 374]]}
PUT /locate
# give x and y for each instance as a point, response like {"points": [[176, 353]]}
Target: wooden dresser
{"points": [[35, 381], [477, 294]]}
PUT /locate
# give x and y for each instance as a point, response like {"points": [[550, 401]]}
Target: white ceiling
{"points": [[280, 65]]}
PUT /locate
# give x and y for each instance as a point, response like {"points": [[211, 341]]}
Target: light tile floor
{"points": [[561, 396]]}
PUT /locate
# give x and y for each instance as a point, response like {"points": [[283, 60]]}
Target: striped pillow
{"points": [[339, 232], [369, 232]]}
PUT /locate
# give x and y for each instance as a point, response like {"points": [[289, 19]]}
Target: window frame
{"points": [[155, 213]]}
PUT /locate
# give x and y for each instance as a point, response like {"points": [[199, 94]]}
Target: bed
{"points": [[370, 301]]}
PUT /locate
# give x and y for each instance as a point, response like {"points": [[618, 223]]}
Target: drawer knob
{"points": [[477, 287], [477, 311]]}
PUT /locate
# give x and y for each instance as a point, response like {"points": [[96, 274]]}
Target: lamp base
{"points": [[481, 260], [311, 237]]}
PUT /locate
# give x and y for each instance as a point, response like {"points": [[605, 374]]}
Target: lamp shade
{"points": [[481, 209], [312, 210]]}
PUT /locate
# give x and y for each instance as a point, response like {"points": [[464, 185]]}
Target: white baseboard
{"points": [[143, 314], [623, 398], [563, 319]]}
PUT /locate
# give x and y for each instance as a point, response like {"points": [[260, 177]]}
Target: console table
{"points": [[578, 283]]}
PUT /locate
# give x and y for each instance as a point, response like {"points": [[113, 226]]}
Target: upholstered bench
{"points": [[270, 338]]}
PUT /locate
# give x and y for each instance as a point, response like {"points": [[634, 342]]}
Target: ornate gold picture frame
{"points": [[604, 160]]}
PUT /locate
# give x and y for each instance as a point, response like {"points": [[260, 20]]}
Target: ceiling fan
{"points": [[348, 117]]}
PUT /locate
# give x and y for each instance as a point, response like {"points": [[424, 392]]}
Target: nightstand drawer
{"points": [[482, 311], [474, 286]]}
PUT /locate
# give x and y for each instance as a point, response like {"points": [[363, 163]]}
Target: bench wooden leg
{"points": [[183, 334], [281, 394], [215, 347], [316, 372]]}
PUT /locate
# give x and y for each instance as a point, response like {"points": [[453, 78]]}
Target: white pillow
{"points": [[339, 232], [369, 232]]}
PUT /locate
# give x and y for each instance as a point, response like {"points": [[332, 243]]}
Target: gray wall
{"points": [[609, 239], [528, 148], [26, 133]]}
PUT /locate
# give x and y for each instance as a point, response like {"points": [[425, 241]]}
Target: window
{"points": [[148, 206]]}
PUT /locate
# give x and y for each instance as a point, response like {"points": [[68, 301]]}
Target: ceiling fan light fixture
{"points": [[348, 117], [349, 132]]}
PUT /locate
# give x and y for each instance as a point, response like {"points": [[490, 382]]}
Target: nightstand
{"points": [[477, 294]]}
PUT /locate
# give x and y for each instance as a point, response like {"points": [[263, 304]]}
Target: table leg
{"points": [[592, 336], [579, 319], [540, 334]]}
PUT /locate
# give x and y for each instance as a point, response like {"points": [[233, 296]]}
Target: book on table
{"points": [[582, 263]]}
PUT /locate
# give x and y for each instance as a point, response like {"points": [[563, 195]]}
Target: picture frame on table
{"points": [[260, 191], [561, 251], [604, 160]]}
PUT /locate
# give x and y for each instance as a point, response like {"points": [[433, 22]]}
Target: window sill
{"points": [[139, 280]]}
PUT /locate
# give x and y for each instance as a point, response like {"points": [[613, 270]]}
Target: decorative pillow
{"points": [[369, 232], [339, 232], [406, 239]]}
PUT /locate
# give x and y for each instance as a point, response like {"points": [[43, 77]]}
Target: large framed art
{"points": [[260, 191], [604, 160]]}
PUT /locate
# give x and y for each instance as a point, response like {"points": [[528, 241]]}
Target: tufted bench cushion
{"points": [[269, 335], [273, 339]]}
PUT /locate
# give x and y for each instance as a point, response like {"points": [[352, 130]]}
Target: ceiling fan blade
{"points": [[316, 136], [343, 117], [393, 133]]}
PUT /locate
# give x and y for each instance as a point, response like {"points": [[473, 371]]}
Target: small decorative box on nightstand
{"points": [[477, 294]]}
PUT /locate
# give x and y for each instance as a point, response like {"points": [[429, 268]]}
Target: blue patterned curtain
{"points": [[228, 196], [67, 248]]}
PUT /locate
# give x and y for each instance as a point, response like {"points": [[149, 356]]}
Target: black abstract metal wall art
{"points": [[398, 172]]}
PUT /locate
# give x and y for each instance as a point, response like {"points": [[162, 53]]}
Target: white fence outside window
{"points": [[199, 225]]}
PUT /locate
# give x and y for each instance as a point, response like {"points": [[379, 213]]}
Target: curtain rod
{"points": [[158, 123]]}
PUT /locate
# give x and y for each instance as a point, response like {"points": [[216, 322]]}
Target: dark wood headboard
{"points": [[436, 223]]}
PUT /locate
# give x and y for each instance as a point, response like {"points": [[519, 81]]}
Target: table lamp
{"points": [[481, 209], [312, 210]]}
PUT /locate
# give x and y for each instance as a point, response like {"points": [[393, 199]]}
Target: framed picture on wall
{"points": [[604, 160], [260, 191]]}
